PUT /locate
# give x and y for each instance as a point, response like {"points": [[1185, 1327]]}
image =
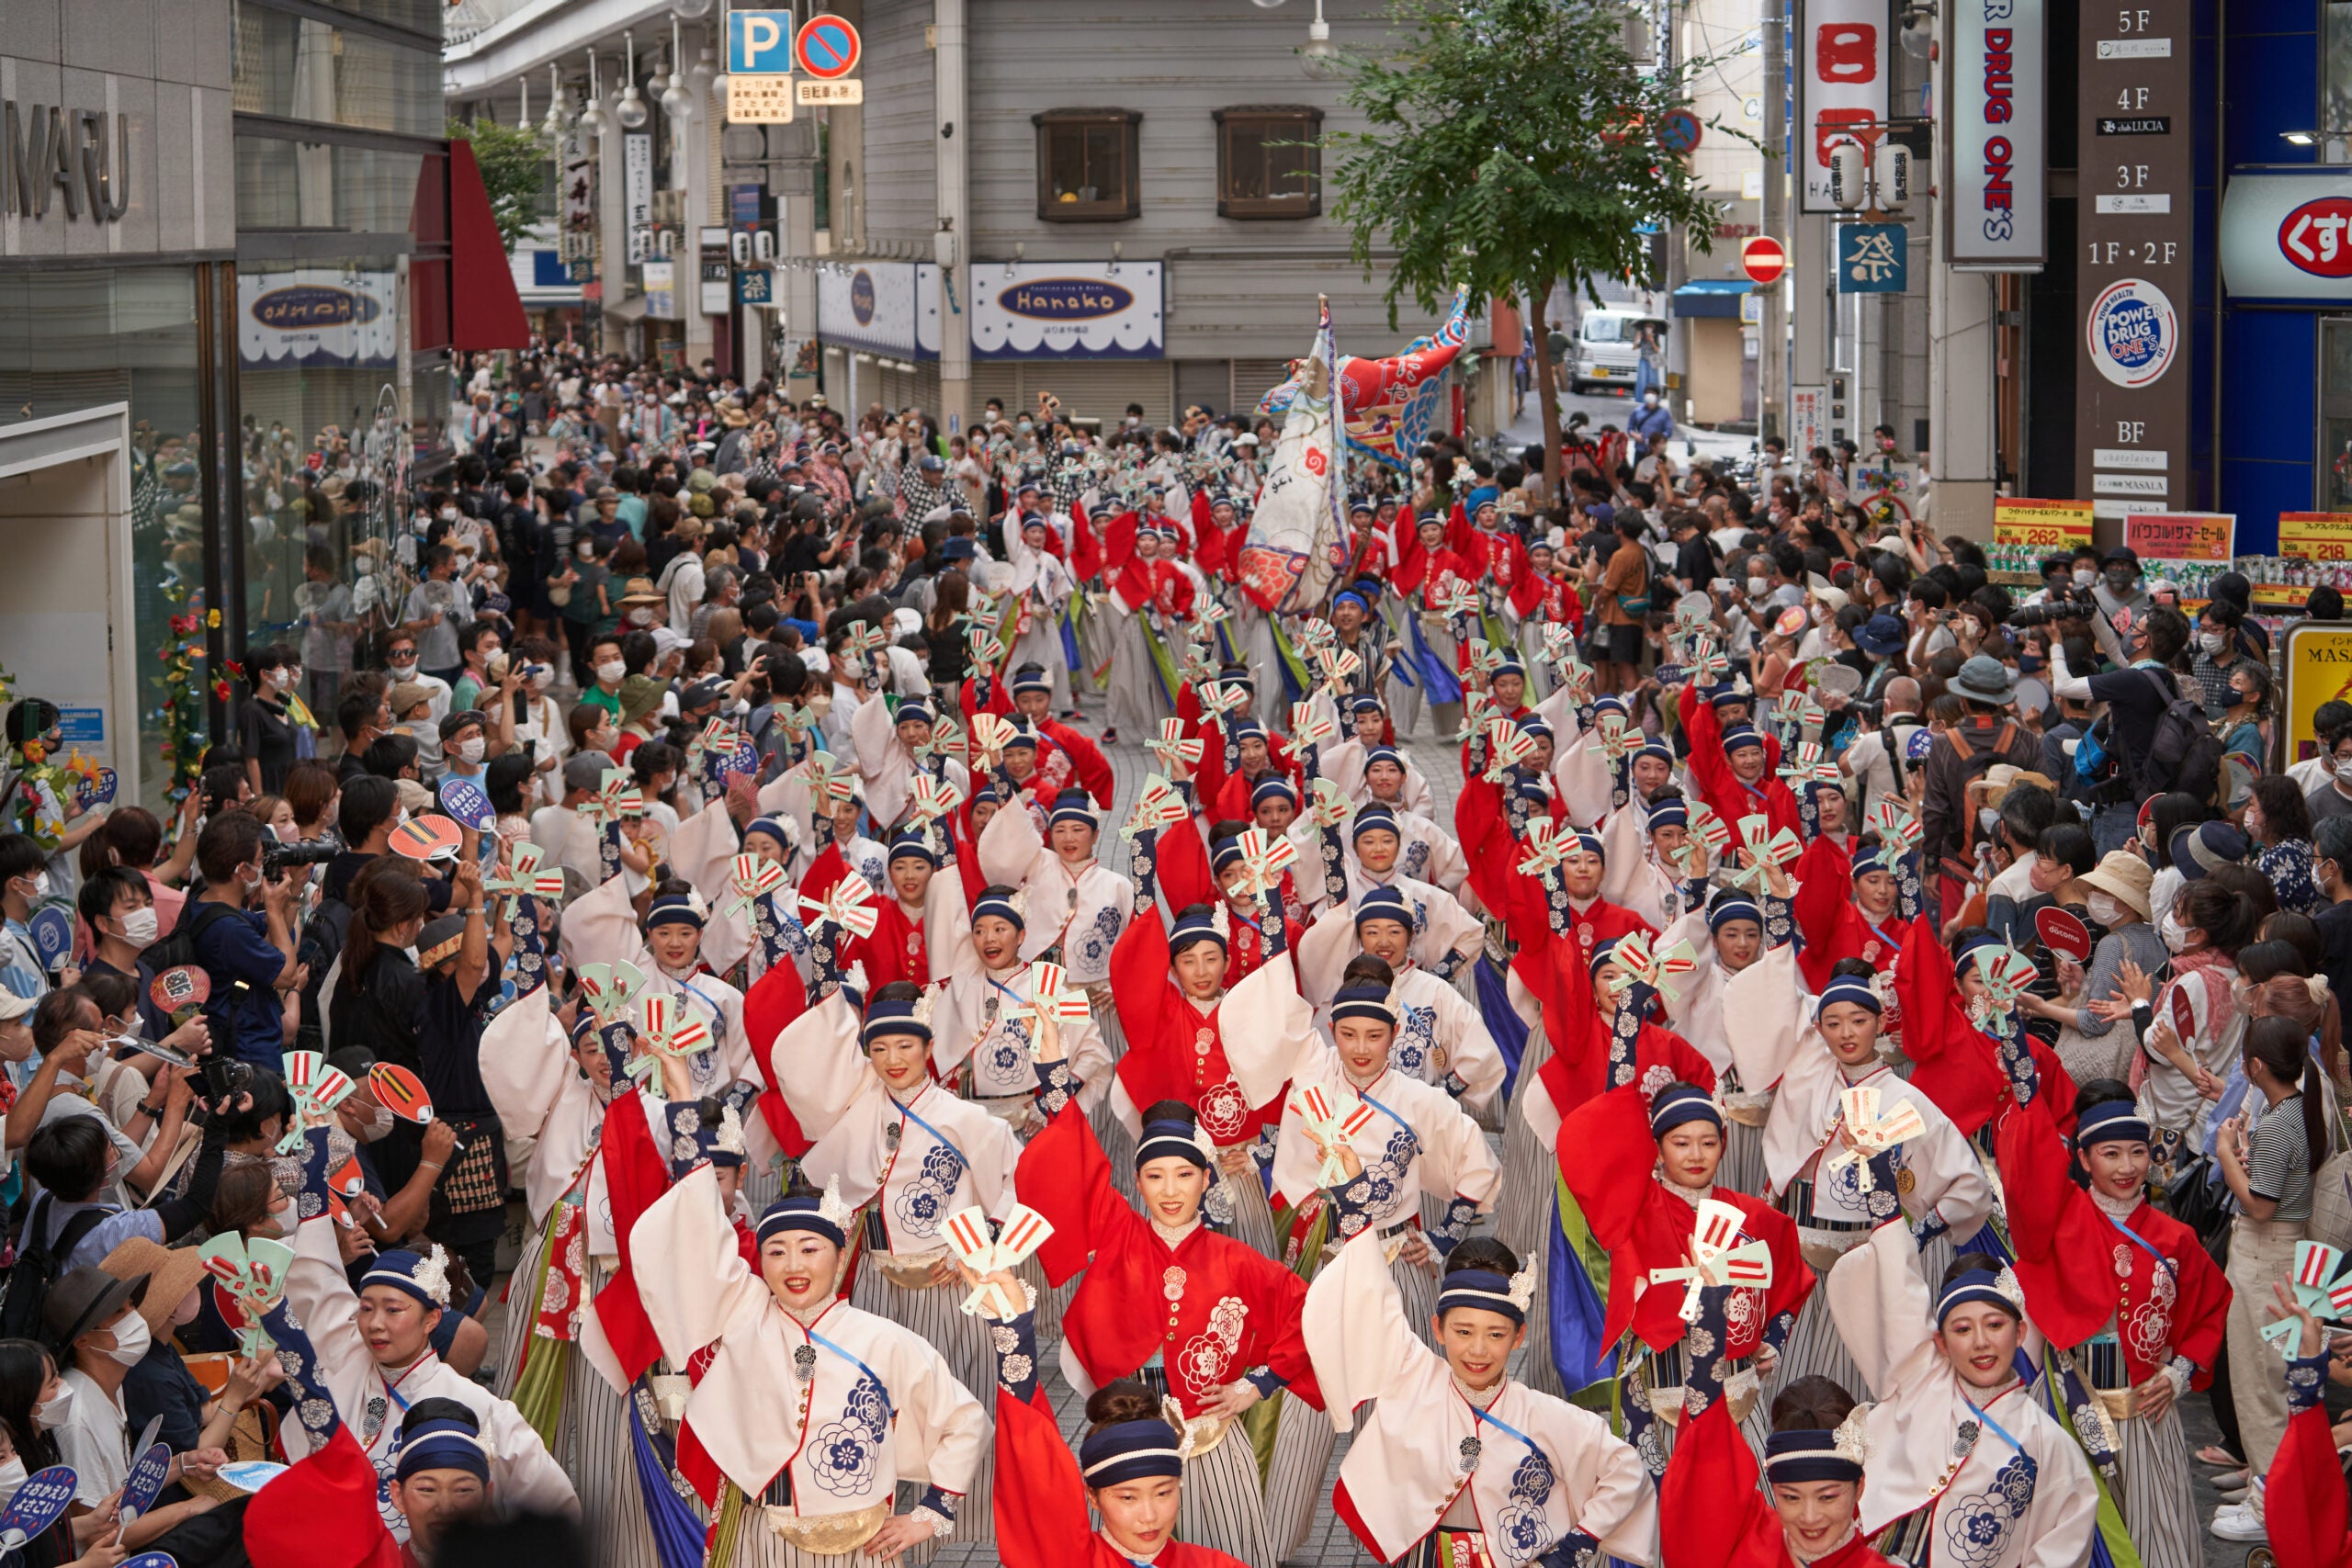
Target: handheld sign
{"points": [[146, 1479], [52, 932], [463, 799], [248, 1476], [39, 1503], [424, 838], [184, 989], [2184, 1015], [1791, 621], [399, 1091], [2064, 934]]}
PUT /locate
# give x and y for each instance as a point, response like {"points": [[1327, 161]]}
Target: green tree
{"points": [[513, 170], [1510, 144]]}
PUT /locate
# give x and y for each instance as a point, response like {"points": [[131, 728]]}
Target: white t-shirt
{"points": [[94, 1441]]}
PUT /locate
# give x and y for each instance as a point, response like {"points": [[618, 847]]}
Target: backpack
{"points": [[1974, 764], [38, 1266], [178, 949], [2185, 754], [319, 946]]}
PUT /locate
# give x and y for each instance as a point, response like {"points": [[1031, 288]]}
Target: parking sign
{"points": [[759, 43]]}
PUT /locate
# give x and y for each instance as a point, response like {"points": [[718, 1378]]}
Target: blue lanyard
{"points": [[888, 1409], [909, 1112], [1893, 945], [1417, 1145], [2162, 1261], [1491, 1419], [1997, 1430]]}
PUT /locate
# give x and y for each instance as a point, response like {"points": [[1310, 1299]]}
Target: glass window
{"points": [[75, 337], [2336, 71], [1602, 328], [1086, 166], [2336, 412], [310, 185], [299, 68], [1268, 163]]}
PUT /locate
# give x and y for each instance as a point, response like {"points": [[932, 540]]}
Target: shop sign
{"points": [[661, 291], [2025, 530], [2315, 536], [1999, 105], [2318, 660], [317, 317], [2137, 174], [2191, 548], [884, 307], [1068, 309], [1841, 71], [2288, 236], [51, 156], [637, 193], [1873, 258]]}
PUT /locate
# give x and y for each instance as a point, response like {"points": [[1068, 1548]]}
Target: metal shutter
{"points": [[1253, 378]]}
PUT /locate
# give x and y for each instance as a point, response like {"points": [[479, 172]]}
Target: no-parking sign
{"points": [[827, 47]]}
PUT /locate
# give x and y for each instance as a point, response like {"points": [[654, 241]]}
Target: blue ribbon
{"points": [[888, 1408]]}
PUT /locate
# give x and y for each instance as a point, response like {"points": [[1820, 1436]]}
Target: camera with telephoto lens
{"points": [[305, 853], [2063, 604], [225, 1077]]}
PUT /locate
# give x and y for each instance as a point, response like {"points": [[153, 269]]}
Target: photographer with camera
{"points": [[248, 954], [2139, 693]]}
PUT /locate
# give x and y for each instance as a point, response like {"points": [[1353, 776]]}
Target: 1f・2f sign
{"points": [[1841, 84], [1994, 197]]}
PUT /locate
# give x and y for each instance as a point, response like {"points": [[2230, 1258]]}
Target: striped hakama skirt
{"points": [[935, 1312]]}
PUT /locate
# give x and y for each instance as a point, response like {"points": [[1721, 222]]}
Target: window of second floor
{"points": [[1268, 163], [1087, 165]]}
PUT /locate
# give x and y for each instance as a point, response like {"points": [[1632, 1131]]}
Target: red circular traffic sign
{"points": [[1763, 258], [826, 46]]}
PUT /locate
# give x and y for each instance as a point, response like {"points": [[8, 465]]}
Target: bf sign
{"points": [[759, 43]]}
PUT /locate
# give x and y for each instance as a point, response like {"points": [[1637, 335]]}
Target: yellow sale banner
{"points": [[2040, 525], [2315, 536]]}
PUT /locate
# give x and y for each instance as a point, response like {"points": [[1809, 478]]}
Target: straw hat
{"points": [[640, 590], [171, 1273]]}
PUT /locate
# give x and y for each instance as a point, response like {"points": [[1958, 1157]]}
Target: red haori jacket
{"points": [[1833, 928], [897, 950], [1174, 1050], [1953, 1063], [1087, 763], [1712, 1513], [2081, 1271], [1542, 596], [2303, 1496], [1561, 979], [1185, 878], [1140, 1295], [1720, 787]]}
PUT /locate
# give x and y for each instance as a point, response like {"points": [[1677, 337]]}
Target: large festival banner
{"points": [[1286, 564]]}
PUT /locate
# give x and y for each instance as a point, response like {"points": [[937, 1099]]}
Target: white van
{"points": [[1604, 352]]}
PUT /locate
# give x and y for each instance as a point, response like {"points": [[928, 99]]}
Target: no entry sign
{"points": [[1762, 258], [827, 47]]}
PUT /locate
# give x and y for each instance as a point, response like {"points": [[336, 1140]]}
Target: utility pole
{"points": [[1677, 245], [1772, 351]]}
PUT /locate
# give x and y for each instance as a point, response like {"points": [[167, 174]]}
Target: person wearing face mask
{"points": [[482, 647], [248, 955], [265, 731], [465, 745], [436, 608], [2219, 658], [2115, 900], [2278, 822], [24, 885], [120, 914], [33, 1404], [2204, 931], [400, 664], [94, 1320], [160, 1387], [2243, 722]]}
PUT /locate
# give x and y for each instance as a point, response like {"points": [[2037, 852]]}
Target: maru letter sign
{"points": [[1841, 85]]}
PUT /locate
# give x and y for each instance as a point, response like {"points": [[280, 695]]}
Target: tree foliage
{"points": [[513, 170], [1509, 144]]}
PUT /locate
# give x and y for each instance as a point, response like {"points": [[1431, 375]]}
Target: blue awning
{"points": [[1712, 297]]}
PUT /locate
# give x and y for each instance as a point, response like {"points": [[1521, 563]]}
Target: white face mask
{"points": [[379, 1125], [2174, 937], [403, 671], [640, 617], [2213, 642], [2085, 577], [2344, 769], [611, 670], [139, 928], [2103, 907], [279, 678], [12, 1476], [542, 677], [1756, 586], [39, 888], [470, 748], [131, 1338], [53, 1414]]}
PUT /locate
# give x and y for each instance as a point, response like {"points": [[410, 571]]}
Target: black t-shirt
{"points": [[383, 1010], [2335, 924], [2134, 703], [449, 1049], [264, 733], [337, 884], [801, 553], [1694, 561]]}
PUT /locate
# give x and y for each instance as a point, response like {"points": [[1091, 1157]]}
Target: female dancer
{"points": [[1809, 1054], [1229, 1335], [2142, 1333], [1459, 1465], [1726, 936], [812, 1409], [1644, 1217], [905, 1153], [1712, 1515], [1966, 1470]]}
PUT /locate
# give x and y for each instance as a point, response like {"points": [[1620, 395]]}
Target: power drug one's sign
{"points": [[2136, 181], [1994, 83]]}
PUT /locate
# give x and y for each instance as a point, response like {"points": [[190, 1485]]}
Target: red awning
{"points": [[485, 311]]}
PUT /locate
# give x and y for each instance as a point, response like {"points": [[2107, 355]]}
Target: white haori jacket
{"points": [[1537, 1467], [882, 1405], [2008, 1485], [1431, 1015], [1418, 1141], [915, 1162], [1083, 907], [1777, 1046], [887, 768], [524, 1477]]}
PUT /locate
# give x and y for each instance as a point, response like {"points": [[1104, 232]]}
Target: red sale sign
{"points": [[1842, 71]]}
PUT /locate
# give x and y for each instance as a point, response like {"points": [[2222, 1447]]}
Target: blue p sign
{"points": [[759, 43]]}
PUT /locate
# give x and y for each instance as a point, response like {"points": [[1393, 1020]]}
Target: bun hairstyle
{"points": [[1483, 1252], [672, 887], [1125, 1400], [1170, 1111], [1811, 1404], [1366, 970], [895, 991], [1851, 968]]}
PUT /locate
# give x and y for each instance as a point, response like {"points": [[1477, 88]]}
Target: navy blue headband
{"points": [[2110, 1121], [1131, 1450], [1679, 1104], [1975, 1286], [1726, 911], [1368, 1002], [443, 1445], [1478, 1288], [1002, 908], [1807, 1455], [1852, 988], [797, 1214], [1170, 1140]]}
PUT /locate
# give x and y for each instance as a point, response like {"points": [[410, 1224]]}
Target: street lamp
{"points": [[676, 101], [593, 119], [1320, 54], [690, 10], [553, 127], [630, 108]]}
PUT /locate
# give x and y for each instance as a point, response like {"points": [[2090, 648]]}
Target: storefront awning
{"points": [[1712, 297], [629, 310], [484, 310]]}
